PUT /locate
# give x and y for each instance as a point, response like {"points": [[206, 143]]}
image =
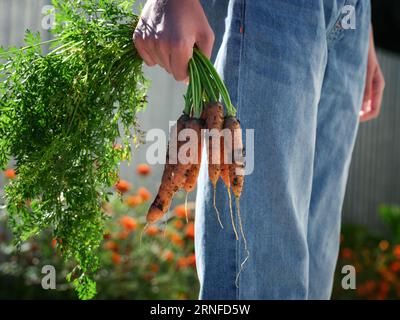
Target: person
{"points": [[302, 74]]}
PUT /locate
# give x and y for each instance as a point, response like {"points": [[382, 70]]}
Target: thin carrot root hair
{"points": [[186, 207], [215, 207], [246, 249], [231, 212]]}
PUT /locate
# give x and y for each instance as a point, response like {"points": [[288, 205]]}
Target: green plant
{"points": [[376, 260], [391, 216], [60, 116], [160, 266]]}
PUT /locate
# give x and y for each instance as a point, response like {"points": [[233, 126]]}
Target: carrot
{"points": [[179, 169], [224, 168], [214, 114], [236, 176], [173, 176], [236, 168], [225, 152], [214, 121], [192, 172]]}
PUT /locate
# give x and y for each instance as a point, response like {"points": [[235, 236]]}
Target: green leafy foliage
{"points": [[156, 262], [391, 216], [60, 115], [376, 260]]}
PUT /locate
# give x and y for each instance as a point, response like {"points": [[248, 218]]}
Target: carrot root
{"points": [[246, 249], [231, 212], [215, 207]]}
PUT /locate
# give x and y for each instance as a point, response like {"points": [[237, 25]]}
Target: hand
{"points": [[375, 83], [167, 32]]}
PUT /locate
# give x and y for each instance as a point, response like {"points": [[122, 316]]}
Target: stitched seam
{"points": [[333, 30]]}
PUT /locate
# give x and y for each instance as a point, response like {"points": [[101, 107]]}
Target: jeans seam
{"points": [[335, 30]]}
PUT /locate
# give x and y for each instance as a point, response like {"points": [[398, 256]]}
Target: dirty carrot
{"points": [[194, 155], [173, 176], [214, 114], [236, 176], [225, 151]]}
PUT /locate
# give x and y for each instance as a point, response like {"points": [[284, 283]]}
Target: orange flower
{"points": [[152, 230], [176, 239], [133, 201], [182, 262], [381, 296], [190, 230], [55, 242], [116, 258], [10, 174], [123, 235], [129, 223], [179, 224], [191, 260], [144, 194], [396, 251], [111, 245], [387, 275], [347, 253], [361, 290], [143, 169], [117, 147], [395, 266], [384, 245], [154, 268], [370, 286], [169, 256], [180, 211], [384, 287], [123, 186]]}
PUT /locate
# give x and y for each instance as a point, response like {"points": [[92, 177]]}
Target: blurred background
{"points": [[164, 267]]}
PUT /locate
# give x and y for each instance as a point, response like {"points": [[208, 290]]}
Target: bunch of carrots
{"points": [[225, 153]]}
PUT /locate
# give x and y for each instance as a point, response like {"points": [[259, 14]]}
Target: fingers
{"points": [[205, 42], [140, 45], [378, 86], [372, 106], [171, 54], [365, 110], [181, 53]]}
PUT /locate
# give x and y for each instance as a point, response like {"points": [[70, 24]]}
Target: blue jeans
{"points": [[296, 74]]}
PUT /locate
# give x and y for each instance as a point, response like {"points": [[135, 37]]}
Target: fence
{"points": [[375, 171]]}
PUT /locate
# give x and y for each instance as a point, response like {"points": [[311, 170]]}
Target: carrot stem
{"points": [[231, 111]]}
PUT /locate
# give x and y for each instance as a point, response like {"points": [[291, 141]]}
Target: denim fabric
{"points": [[296, 77]]}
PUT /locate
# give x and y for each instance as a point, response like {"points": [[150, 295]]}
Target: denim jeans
{"points": [[295, 70]]}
